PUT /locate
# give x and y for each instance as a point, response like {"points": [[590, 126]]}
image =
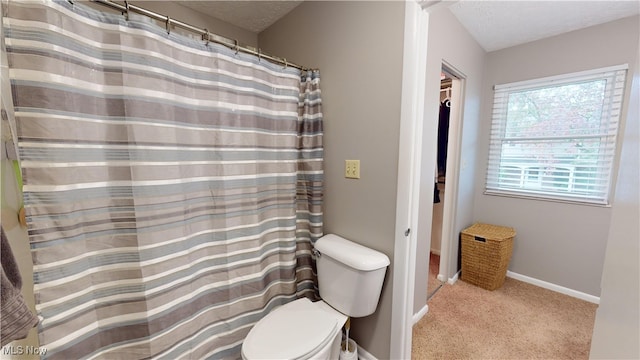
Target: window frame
{"points": [[519, 180]]}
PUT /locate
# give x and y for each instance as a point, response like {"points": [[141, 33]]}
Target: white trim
{"points": [[554, 287], [420, 314], [433, 5], [551, 79], [454, 279], [441, 278], [523, 195], [435, 251], [364, 354], [453, 168], [408, 184]]}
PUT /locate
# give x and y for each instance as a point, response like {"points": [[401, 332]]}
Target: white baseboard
{"points": [[420, 314], [364, 354], [455, 277], [554, 287], [441, 278], [434, 251]]}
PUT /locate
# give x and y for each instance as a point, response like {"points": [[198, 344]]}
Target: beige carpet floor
{"points": [[516, 321]]}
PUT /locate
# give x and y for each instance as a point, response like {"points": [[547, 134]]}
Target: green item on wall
{"points": [[16, 169]]}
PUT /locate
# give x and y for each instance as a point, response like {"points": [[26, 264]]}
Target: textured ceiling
{"points": [[501, 24], [494, 24], [250, 15]]}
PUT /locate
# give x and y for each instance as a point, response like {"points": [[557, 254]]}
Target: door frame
{"points": [[453, 174], [411, 151], [408, 186]]}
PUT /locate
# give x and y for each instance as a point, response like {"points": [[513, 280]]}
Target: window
{"points": [[555, 138]]}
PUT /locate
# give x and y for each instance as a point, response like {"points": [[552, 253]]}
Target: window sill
{"points": [[532, 196]]}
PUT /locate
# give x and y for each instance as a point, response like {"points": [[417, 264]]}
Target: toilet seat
{"points": [[296, 330]]}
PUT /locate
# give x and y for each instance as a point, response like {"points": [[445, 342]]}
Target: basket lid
{"points": [[494, 232]]}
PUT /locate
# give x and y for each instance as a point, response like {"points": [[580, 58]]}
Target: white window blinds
{"points": [[555, 138]]}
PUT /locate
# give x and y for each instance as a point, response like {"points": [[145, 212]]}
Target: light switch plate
{"points": [[352, 169]]}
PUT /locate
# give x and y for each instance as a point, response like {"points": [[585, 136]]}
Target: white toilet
{"points": [[350, 278]]}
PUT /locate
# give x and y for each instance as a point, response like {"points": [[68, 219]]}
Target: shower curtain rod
{"points": [[206, 35]]}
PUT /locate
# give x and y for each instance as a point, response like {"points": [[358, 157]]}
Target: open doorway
{"points": [[445, 179]]}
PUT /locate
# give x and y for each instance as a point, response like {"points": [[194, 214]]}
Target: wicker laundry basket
{"points": [[486, 252]]}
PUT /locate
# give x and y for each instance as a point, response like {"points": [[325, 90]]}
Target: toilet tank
{"points": [[350, 275]]}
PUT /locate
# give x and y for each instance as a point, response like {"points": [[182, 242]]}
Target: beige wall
{"points": [[448, 41], [358, 48], [560, 243]]}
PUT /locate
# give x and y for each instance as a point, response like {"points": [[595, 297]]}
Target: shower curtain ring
{"points": [[126, 13], [259, 55], [205, 37], [237, 47], [168, 25], [286, 64]]}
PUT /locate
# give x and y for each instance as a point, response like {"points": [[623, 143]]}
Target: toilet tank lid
{"points": [[351, 254]]}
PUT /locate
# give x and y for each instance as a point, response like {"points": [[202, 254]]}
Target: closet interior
{"points": [[440, 176]]}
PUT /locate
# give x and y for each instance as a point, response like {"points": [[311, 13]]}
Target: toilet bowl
{"points": [[350, 278], [298, 330]]}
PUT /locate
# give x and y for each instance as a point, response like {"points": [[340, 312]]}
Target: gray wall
{"points": [[448, 41], [617, 327], [358, 48], [560, 243], [191, 17], [200, 20]]}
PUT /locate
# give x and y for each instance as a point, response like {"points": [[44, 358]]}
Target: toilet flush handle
{"points": [[316, 253]]}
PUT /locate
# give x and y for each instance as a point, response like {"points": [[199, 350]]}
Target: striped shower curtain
{"points": [[173, 188]]}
